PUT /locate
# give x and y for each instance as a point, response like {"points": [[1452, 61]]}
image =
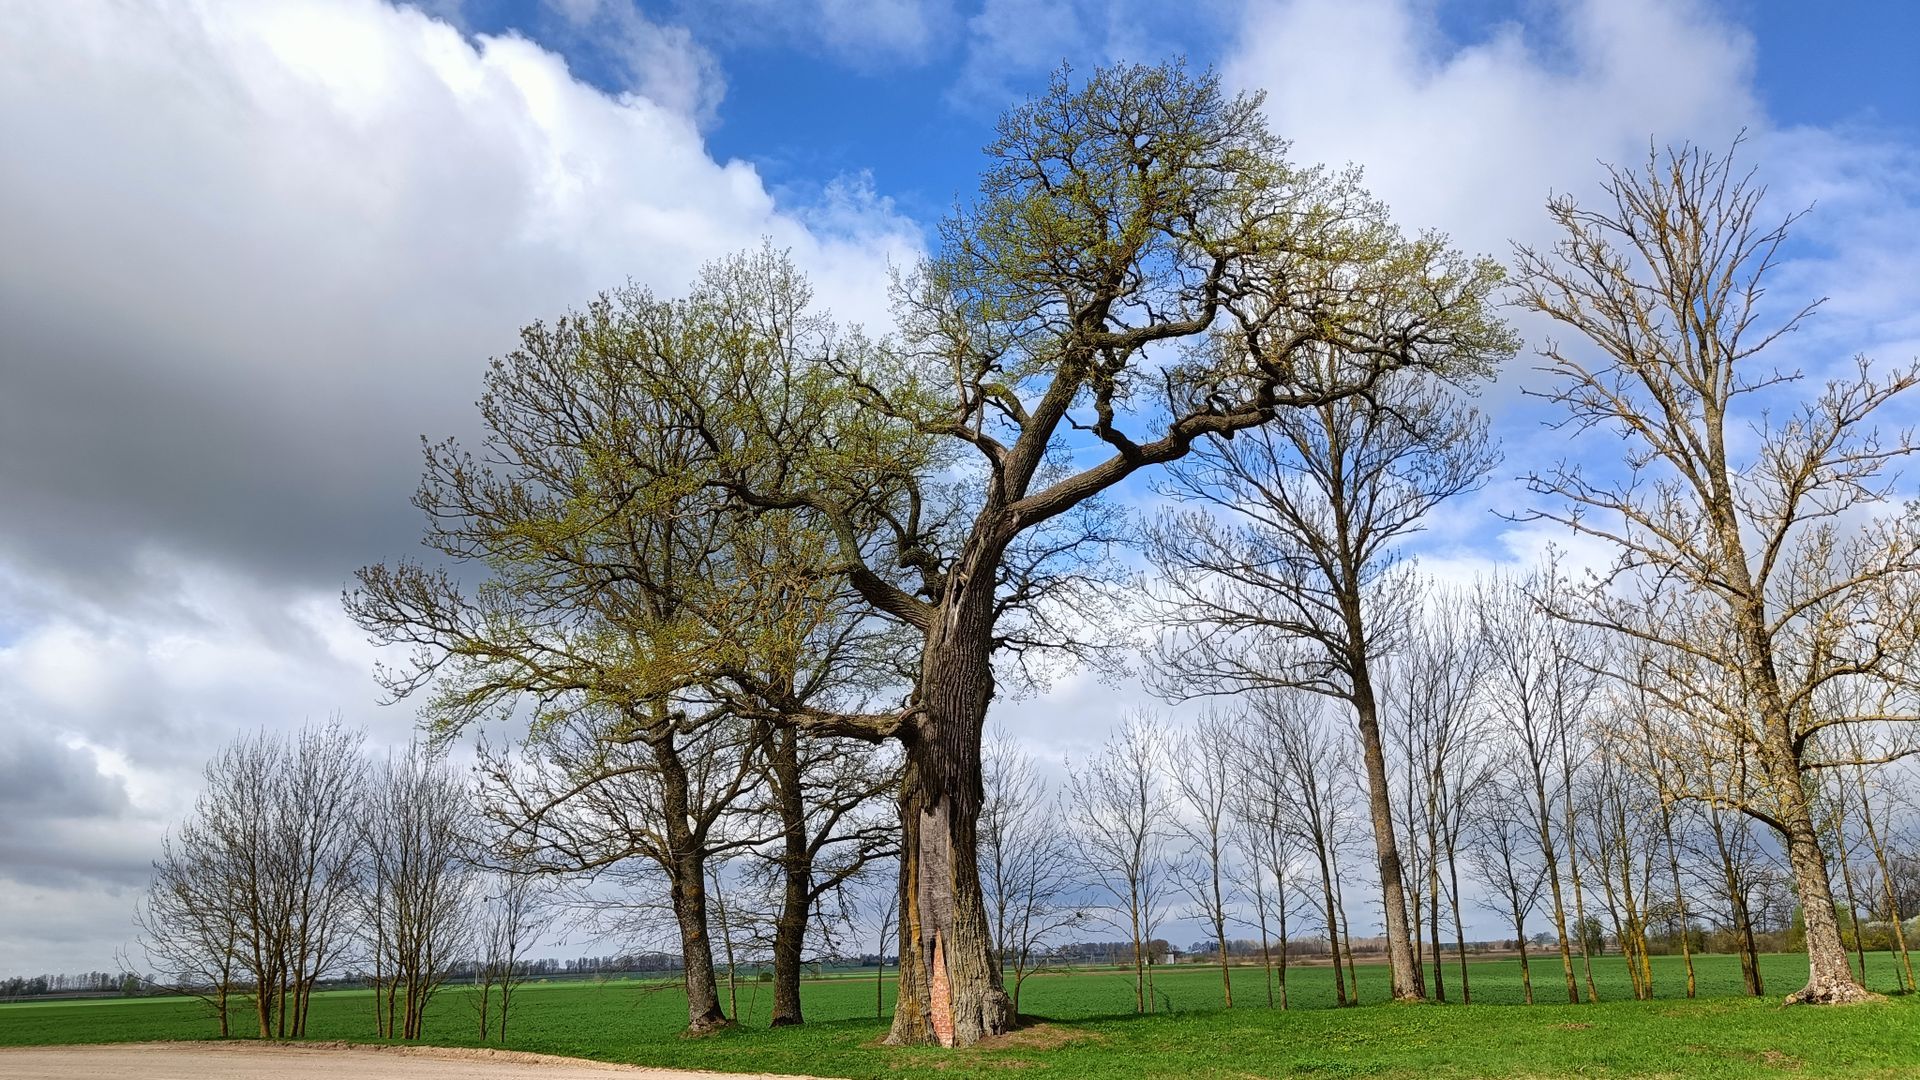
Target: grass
{"points": [[1085, 1028]]}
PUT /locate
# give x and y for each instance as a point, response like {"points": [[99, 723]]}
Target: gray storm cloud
{"points": [[253, 253]]}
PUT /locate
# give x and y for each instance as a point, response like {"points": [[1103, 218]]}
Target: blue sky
{"points": [[257, 248], [803, 116]]}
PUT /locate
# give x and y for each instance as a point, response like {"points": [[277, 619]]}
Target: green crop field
{"points": [[1083, 1027]]}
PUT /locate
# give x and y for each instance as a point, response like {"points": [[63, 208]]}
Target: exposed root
{"points": [[1834, 993], [709, 1026]]}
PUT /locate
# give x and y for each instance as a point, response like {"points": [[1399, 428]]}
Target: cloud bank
{"points": [[255, 252]]}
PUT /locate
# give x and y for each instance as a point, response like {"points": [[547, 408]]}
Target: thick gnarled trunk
{"points": [[950, 991]]}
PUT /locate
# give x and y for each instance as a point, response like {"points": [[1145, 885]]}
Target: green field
{"points": [[1086, 1028]]}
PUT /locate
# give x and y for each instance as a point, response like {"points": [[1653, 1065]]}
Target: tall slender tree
{"points": [[1121, 824], [1540, 685], [1027, 862], [1739, 559], [1203, 776], [1282, 569]]}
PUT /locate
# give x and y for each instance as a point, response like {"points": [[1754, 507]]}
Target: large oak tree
{"points": [[1142, 270]]}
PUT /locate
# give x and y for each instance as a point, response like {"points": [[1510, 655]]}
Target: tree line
{"points": [[710, 542], [1524, 786], [306, 860]]}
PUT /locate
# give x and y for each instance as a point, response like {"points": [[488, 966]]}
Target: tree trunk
{"points": [[1346, 934], [1679, 898], [485, 986], [1260, 909], [1520, 939], [1459, 926], [689, 894], [789, 950], [1829, 971], [506, 998], [686, 867], [1737, 906], [1543, 817], [1333, 922], [796, 866], [1140, 997], [950, 991], [1407, 983], [1220, 936], [1579, 893], [1433, 930], [1283, 947]]}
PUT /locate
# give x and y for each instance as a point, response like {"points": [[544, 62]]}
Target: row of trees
{"points": [[1523, 782], [305, 860], [721, 535]]}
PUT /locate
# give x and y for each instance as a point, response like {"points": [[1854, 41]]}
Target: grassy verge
{"points": [[1084, 1027]]}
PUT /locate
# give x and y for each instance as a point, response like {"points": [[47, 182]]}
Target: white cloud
{"points": [[1472, 138], [1011, 42], [254, 252], [662, 63]]}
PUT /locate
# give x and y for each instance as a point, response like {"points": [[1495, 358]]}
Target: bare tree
{"points": [[1293, 741], [1284, 569], [1506, 860], [1738, 558], [1268, 837], [1203, 775], [587, 797], [189, 927], [1432, 688], [1637, 732], [1120, 830], [271, 838], [1618, 810], [1540, 685], [1730, 859], [517, 911], [322, 780], [1026, 861], [420, 895]]}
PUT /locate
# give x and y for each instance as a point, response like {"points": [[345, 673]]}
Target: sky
{"points": [[251, 251]]}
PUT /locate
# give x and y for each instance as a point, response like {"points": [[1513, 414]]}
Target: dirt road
{"points": [[241, 1061]]}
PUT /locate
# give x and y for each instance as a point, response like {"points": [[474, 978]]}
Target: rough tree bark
{"points": [[950, 987]]}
